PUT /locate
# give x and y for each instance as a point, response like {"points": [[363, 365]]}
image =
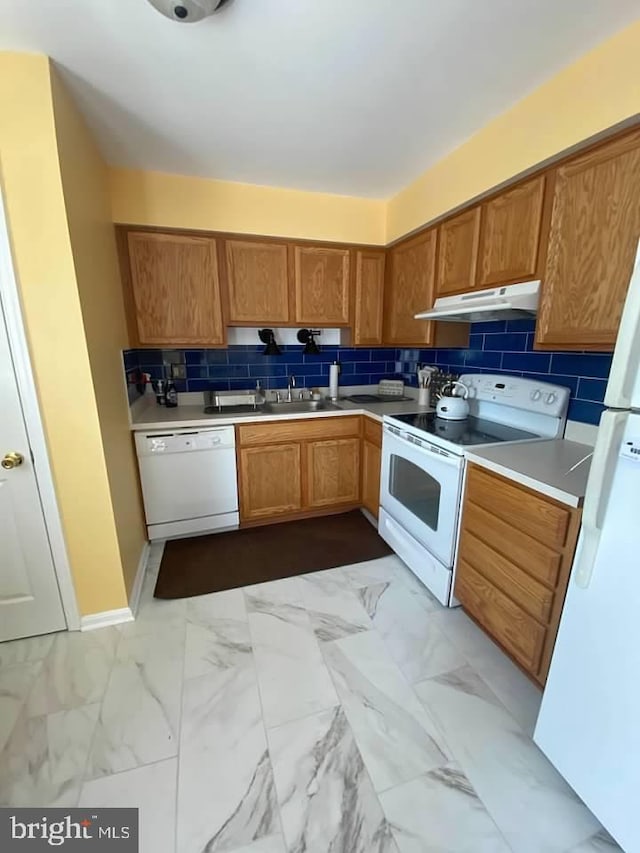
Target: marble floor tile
{"points": [[516, 692], [601, 842], [333, 607], [388, 570], [139, 715], [155, 614], [28, 650], [15, 684], [217, 632], [440, 811], [226, 795], [269, 844], [375, 571], [152, 790], [294, 680], [154, 559], [75, 672], [412, 635], [395, 735], [43, 761], [326, 798], [531, 804]]}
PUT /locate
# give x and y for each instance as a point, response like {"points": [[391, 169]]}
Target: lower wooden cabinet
{"points": [[371, 462], [296, 468], [269, 481], [333, 471], [514, 559]]}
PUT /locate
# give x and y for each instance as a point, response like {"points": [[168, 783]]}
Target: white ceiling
{"points": [[347, 96]]}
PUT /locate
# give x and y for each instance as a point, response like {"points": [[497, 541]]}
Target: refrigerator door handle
{"points": [[612, 426], [625, 366]]}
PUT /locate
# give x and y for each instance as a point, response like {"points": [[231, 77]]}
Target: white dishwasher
{"points": [[189, 481]]}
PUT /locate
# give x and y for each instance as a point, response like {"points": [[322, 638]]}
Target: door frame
{"points": [[10, 303]]}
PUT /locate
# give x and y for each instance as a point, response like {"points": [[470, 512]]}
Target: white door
{"points": [[29, 597], [588, 723]]}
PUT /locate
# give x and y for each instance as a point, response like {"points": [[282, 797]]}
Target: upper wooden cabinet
{"points": [[257, 282], [410, 289], [368, 297], [595, 227], [510, 235], [458, 253], [172, 290], [321, 280]]}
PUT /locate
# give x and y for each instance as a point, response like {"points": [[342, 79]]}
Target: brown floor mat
{"points": [[204, 564]]}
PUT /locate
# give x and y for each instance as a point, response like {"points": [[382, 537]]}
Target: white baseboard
{"points": [[136, 589], [105, 619]]}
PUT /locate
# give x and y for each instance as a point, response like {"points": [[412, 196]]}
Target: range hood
{"points": [[502, 303]]}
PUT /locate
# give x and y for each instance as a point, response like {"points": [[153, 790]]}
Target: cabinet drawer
{"points": [[532, 514], [372, 431], [306, 430], [530, 555], [520, 635], [532, 596]]}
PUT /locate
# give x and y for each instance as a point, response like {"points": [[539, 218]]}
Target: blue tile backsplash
{"points": [[507, 347], [504, 347], [240, 366]]}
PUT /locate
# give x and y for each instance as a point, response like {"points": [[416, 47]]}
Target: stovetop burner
{"points": [[466, 433]]}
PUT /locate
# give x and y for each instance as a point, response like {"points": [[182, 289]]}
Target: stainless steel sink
{"points": [[296, 407]]}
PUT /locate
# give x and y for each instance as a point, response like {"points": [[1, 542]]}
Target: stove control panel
{"points": [[515, 391]]}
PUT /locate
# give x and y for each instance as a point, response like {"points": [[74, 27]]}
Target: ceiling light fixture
{"points": [[268, 337], [187, 11]]}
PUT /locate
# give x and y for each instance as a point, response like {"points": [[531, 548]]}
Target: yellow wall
{"points": [[595, 93], [52, 311], [85, 182], [175, 201]]}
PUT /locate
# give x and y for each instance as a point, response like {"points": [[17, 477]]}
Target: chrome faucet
{"points": [[290, 384]]}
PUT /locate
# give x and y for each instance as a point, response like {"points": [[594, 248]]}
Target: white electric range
{"points": [[423, 462]]}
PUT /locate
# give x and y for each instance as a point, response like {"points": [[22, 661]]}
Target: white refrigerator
{"points": [[589, 723]]}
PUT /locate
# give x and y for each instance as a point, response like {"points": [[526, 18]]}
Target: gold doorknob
{"points": [[12, 460]]}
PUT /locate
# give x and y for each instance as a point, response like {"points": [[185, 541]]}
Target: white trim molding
{"points": [[105, 619], [10, 297], [136, 589]]}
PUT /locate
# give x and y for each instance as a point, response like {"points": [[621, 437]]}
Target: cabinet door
{"points": [[595, 226], [257, 282], [411, 281], [269, 481], [510, 235], [458, 253], [321, 277], [368, 297], [333, 472], [371, 458], [175, 289]]}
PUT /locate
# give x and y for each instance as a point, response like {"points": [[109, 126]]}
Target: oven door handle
{"points": [[425, 448]]}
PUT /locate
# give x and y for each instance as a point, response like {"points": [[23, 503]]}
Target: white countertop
{"points": [[152, 416], [541, 465]]}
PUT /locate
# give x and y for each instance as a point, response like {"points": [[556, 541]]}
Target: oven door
{"points": [[420, 487]]}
